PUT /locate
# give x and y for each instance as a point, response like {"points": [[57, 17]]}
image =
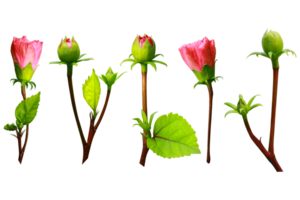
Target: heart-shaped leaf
{"points": [[173, 137]]}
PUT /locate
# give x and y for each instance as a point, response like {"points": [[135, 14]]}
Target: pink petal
{"points": [[205, 53], [37, 45], [69, 43], [189, 55], [143, 39], [19, 51]]}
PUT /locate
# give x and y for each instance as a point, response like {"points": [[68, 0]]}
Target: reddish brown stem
{"points": [[93, 129], [22, 150], [271, 157], [144, 97], [273, 115], [73, 102], [86, 149], [209, 123]]}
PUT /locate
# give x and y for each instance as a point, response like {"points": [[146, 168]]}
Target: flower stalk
{"points": [[22, 144], [73, 102], [209, 123], [273, 114], [144, 104], [94, 125], [272, 159]]}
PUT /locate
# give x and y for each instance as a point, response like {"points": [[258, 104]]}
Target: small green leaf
{"points": [[91, 91], [130, 55], [82, 55], [256, 105], [141, 124], [85, 59], [144, 117], [10, 127], [133, 64], [55, 62], [286, 51], [27, 109], [253, 98], [120, 75], [156, 61], [229, 104], [258, 53], [152, 64], [151, 118], [229, 112], [173, 137], [127, 60], [158, 55]]}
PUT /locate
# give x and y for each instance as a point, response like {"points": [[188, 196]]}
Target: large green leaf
{"points": [[27, 109], [91, 91], [173, 137]]}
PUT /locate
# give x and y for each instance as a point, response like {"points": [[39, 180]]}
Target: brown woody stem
{"points": [[93, 129], [210, 92], [271, 157]]}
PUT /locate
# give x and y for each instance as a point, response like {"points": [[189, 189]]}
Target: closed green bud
{"points": [[272, 42], [68, 50], [143, 48], [242, 106], [109, 75]]}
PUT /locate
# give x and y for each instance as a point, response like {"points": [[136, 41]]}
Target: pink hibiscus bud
{"points": [[143, 48], [200, 58], [26, 55], [68, 50]]}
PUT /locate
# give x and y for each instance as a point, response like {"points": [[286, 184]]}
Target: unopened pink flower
{"points": [[23, 51], [142, 40], [196, 54]]}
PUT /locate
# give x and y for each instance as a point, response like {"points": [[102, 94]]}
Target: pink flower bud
{"points": [[25, 52]]}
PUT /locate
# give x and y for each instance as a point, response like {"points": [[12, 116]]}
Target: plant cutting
{"points": [[143, 52], [69, 54], [26, 55], [272, 45], [200, 58], [164, 135], [173, 136], [243, 108]]}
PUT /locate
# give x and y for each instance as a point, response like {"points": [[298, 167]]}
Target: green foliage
{"points": [[25, 112], [173, 135], [242, 107], [110, 78], [92, 90]]}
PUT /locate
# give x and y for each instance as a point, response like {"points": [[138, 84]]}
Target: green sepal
{"points": [[158, 55], [208, 82], [143, 63], [144, 117], [207, 74], [256, 54], [85, 59], [24, 74], [19, 124], [24, 83], [287, 51], [141, 124], [231, 111], [124, 60], [110, 78]]}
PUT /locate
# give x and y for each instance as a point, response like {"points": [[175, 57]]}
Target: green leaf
{"points": [[152, 64], [130, 55], [199, 83], [128, 60], [259, 53], [229, 112], [91, 91], [156, 61], [256, 105], [253, 98], [10, 127], [143, 123], [173, 137], [133, 64], [158, 55], [143, 115], [110, 77], [85, 59], [55, 62], [82, 55], [286, 51], [229, 104], [27, 109]]}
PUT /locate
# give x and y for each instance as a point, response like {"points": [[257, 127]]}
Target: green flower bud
{"points": [[242, 106], [109, 74], [24, 74], [68, 51], [143, 48], [272, 42]]}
